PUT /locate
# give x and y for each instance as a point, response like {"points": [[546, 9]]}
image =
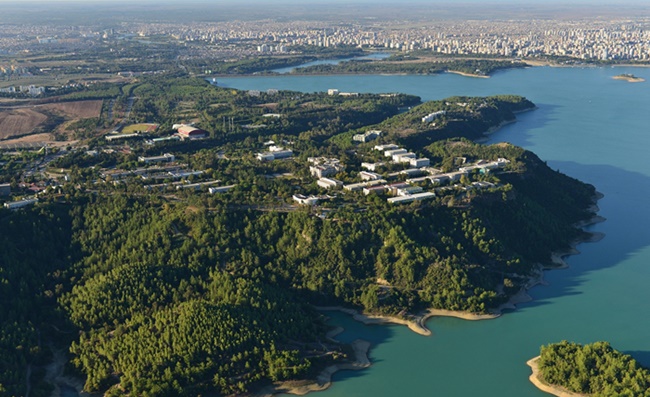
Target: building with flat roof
{"points": [[5, 189], [410, 198], [196, 186], [374, 189], [275, 155], [403, 157], [386, 146], [167, 157], [359, 186], [113, 137], [14, 205], [369, 176], [329, 183], [220, 189], [418, 163], [367, 136], [305, 200], [371, 166], [432, 116], [392, 152]]}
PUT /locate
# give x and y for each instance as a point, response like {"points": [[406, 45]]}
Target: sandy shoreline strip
{"points": [[324, 379], [415, 322], [536, 379], [479, 76], [630, 79]]}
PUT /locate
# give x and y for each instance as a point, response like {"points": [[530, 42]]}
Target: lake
{"points": [[376, 55], [588, 126]]}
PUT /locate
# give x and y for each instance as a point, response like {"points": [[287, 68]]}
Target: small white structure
{"points": [[14, 205], [359, 186], [275, 154], [329, 183], [220, 189], [369, 176], [387, 146], [418, 163], [167, 157], [305, 200], [367, 136], [409, 190], [432, 116], [371, 166], [403, 157], [411, 198], [196, 186], [392, 152], [374, 189], [332, 91]]}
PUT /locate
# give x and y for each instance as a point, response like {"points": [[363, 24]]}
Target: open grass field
{"points": [[144, 127]]}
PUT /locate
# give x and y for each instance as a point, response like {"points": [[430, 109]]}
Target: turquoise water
{"points": [[588, 126]]}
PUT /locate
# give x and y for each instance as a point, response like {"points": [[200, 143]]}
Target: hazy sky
{"points": [[306, 2]]}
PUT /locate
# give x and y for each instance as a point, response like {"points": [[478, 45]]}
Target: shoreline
{"points": [[558, 258], [486, 135], [555, 390], [629, 79], [415, 322], [478, 76], [324, 379]]}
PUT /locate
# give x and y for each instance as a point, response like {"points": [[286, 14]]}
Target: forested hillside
{"points": [[175, 298], [594, 369]]}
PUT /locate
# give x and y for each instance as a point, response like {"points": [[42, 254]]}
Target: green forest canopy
{"points": [[595, 369]]}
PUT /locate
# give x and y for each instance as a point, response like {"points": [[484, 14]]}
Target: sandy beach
{"points": [[480, 76], [545, 387]]}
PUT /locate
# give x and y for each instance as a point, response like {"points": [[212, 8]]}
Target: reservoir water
{"points": [[376, 55], [588, 126]]}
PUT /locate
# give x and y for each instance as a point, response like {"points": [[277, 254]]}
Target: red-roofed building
{"points": [[189, 132]]}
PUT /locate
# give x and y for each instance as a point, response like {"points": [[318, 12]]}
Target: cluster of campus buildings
{"points": [[402, 192]]}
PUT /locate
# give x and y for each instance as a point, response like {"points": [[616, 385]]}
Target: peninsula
{"points": [[189, 231], [569, 369]]}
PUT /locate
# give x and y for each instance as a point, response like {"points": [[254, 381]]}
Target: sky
{"points": [[306, 2]]}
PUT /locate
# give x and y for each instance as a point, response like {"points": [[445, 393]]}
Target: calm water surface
{"points": [[588, 126], [377, 55]]}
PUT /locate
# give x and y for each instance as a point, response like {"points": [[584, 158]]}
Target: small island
{"points": [[568, 369], [629, 78]]}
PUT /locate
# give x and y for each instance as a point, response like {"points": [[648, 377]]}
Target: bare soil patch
{"points": [[77, 109], [22, 121], [18, 122]]}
